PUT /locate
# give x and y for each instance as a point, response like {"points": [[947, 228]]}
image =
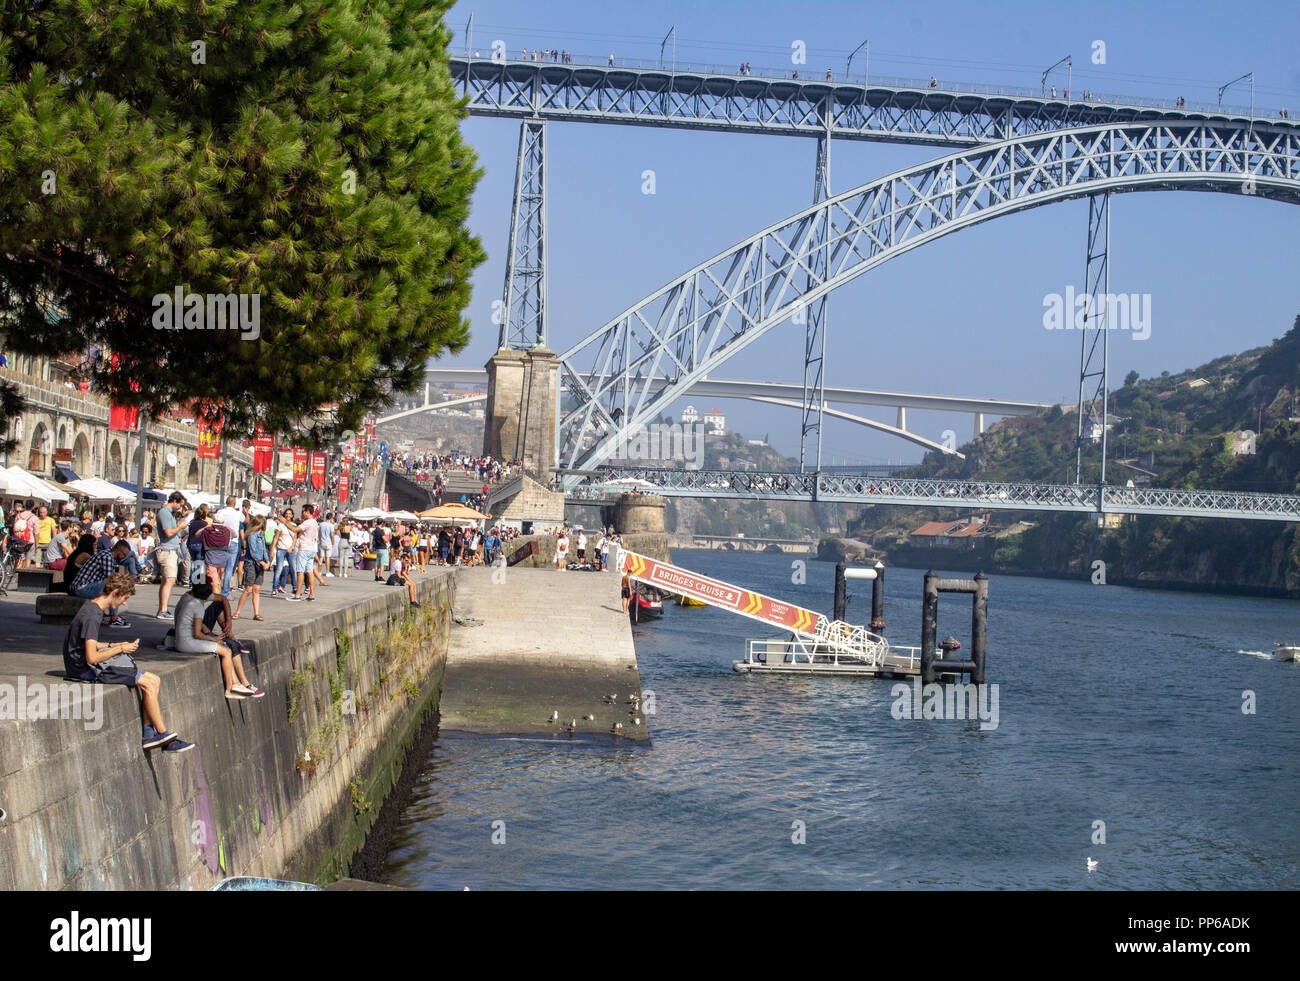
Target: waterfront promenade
{"points": [[290, 785], [548, 642], [286, 785]]}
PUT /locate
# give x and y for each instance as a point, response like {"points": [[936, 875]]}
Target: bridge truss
{"points": [[859, 489], [623, 375]]}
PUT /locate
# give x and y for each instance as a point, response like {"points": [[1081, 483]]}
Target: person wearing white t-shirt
{"points": [[232, 518], [562, 551]]}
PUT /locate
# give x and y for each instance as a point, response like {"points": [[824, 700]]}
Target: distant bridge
{"points": [[607, 483], [787, 395]]}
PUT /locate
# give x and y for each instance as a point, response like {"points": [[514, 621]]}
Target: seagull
{"points": [[1092, 863], [590, 718], [555, 716], [618, 725], [636, 721]]}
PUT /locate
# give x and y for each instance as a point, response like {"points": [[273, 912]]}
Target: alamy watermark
{"points": [[664, 442], [1123, 311], [209, 311], [33, 701], [960, 700]]}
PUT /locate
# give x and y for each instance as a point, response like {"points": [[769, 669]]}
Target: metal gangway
{"points": [[815, 643]]}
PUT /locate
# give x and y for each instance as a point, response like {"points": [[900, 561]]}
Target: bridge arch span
{"points": [[624, 374]]}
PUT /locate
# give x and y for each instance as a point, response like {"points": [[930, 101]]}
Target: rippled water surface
{"points": [[1114, 704]]}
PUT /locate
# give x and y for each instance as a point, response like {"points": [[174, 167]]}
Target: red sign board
{"points": [[370, 428], [756, 606], [209, 421], [383, 501], [344, 478], [299, 466], [318, 470], [262, 447]]}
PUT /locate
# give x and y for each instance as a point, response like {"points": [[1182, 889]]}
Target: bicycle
{"points": [[9, 566]]}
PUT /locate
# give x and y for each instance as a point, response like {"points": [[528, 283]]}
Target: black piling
{"points": [[841, 591], [979, 629], [929, 624], [978, 589], [878, 600]]}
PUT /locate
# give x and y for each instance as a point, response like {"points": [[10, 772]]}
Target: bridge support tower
{"points": [[519, 420]]}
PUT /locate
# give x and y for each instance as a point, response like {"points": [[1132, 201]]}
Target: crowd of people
{"points": [[222, 557]]}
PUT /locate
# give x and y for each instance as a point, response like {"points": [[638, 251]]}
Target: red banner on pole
{"points": [[370, 428], [123, 418], [262, 447], [344, 478], [317, 470], [299, 466], [209, 422], [756, 606], [383, 501]]}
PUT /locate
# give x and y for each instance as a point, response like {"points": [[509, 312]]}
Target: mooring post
{"points": [[878, 600], [929, 624], [841, 591], [979, 629]]}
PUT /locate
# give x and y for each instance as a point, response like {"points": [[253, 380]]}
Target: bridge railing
{"points": [[839, 76]]}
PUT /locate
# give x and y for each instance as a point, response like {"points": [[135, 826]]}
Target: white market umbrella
{"points": [[23, 484], [101, 490], [367, 514]]}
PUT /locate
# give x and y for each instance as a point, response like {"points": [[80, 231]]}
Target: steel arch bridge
{"points": [[624, 374]]}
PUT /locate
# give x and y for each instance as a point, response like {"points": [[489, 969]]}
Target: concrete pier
{"points": [[549, 642]]}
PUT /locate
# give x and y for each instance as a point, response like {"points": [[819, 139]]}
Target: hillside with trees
{"points": [[1188, 429]]}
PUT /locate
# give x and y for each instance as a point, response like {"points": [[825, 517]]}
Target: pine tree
{"points": [[307, 153]]}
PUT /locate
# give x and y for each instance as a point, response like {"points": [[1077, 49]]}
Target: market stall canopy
{"points": [[101, 490], [453, 511], [402, 515], [367, 514], [23, 484]]}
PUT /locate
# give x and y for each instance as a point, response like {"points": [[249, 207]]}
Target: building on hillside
{"points": [[690, 416], [1243, 443], [716, 422], [951, 534]]}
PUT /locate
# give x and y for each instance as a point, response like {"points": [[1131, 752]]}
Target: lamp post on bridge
{"points": [[672, 33], [1068, 62], [865, 48]]}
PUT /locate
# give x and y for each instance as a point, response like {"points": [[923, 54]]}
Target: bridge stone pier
{"points": [[519, 421]]}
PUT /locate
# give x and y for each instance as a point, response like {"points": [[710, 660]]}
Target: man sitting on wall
{"points": [[86, 658]]}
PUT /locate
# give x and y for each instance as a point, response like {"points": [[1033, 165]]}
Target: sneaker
{"points": [[235, 694], [293, 597], [413, 603], [116, 622], [178, 746], [249, 691], [329, 575], [310, 599], [165, 615], [153, 738]]}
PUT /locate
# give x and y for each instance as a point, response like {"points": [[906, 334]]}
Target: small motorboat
{"points": [[642, 607], [690, 601], [1286, 652]]}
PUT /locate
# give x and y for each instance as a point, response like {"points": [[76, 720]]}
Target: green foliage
{"points": [[360, 802], [297, 683], [234, 175]]}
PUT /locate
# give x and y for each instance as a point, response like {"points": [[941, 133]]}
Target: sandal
{"points": [[258, 617]]}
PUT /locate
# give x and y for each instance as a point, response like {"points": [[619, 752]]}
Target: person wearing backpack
{"points": [[25, 527], [217, 548]]}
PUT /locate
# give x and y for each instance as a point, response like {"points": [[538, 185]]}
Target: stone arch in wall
{"points": [[81, 455], [113, 467], [192, 475], [40, 449]]}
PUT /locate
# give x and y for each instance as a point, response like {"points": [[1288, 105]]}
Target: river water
{"points": [[1115, 705]]}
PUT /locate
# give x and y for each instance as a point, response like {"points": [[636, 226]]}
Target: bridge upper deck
{"points": [[887, 109]]}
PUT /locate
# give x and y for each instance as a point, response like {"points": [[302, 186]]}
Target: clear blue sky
{"points": [[962, 316]]}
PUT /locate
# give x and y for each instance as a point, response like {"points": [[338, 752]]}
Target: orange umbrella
{"points": [[449, 512]]}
